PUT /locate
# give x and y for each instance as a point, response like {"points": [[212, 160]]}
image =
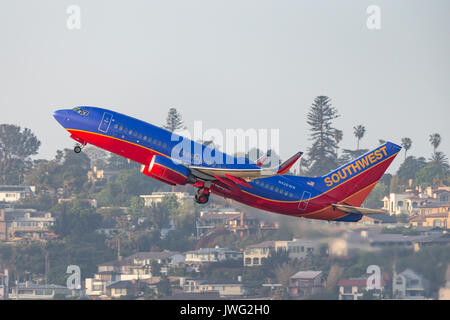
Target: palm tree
{"points": [[337, 135], [406, 143], [441, 160], [359, 132], [435, 140]]}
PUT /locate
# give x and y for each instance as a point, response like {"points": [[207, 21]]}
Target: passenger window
{"points": [[130, 132], [159, 143], [125, 130], [271, 187], [121, 128], [149, 139], [164, 145], [140, 135], [116, 126], [135, 133], [145, 138], [276, 189]]}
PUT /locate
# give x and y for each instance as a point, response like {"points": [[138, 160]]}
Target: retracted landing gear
{"points": [[202, 195]]}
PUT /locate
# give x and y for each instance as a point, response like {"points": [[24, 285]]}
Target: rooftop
{"points": [[306, 274], [15, 189], [152, 255]]}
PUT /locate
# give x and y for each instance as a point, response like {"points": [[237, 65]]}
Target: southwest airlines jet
{"points": [[335, 196]]}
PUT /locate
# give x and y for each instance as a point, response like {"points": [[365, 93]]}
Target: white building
{"points": [[257, 254], [30, 291], [402, 203], [409, 285], [157, 197], [15, 193], [216, 254]]}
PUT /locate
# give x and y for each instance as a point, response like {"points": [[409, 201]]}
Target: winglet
{"points": [[285, 166]]}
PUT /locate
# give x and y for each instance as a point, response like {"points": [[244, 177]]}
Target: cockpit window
{"points": [[81, 111]]}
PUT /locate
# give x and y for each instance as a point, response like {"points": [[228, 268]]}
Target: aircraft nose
{"points": [[60, 116]]}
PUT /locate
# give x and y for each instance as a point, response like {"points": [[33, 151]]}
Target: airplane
{"points": [[335, 196]]}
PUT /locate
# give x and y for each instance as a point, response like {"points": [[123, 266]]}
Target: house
{"points": [[354, 288], [120, 289], [224, 288], [138, 266], [4, 285], [157, 197], [10, 194], [96, 175], [435, 214], [216, 254], [195, 259], [374, 219], [403, 203], [306, 283], [166, 259], [96, 287], [433, 220], [409, 285], [230, 219], [19, 224], [30, 291], [257, 254], [435, 239]]}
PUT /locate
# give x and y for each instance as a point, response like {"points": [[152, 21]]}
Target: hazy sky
{"points": [[233, 64]]}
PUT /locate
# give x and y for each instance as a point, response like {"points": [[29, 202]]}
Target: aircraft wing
{"points": [[350, 209], [241, 176]]}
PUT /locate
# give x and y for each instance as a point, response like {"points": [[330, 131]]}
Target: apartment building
{"points": [[256, 255], [29, 224]]}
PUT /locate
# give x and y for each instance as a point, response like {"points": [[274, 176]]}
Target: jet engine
{"points": [[165, 170]]}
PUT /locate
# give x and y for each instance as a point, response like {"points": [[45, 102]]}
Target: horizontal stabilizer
{"points": [[261, 160], [285, 166], [350, 209]]}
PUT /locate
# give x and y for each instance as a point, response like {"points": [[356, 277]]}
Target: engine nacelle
{"points": [[165, 170]]}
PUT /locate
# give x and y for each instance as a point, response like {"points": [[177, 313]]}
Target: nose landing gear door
{"points": [[106, 122], [304, 200]]}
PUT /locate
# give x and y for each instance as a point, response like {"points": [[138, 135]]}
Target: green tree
{"points": [[359, 132], [16, 148], [406, 144], [409, 168], [174, 120], [98, 157], [394, 185], [374, 199], [322, 152], [349, 155], [435, 172], [125, 185], [116, 162], [74, 171]]}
